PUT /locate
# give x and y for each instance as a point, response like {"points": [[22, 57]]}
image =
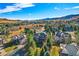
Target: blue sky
{"points": [[32, 11]]}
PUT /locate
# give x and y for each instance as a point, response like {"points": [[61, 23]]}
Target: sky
{"points": [[33, 11]]}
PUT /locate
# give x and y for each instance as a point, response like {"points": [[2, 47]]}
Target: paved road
{"points": [[20, 51], [2, 52]]}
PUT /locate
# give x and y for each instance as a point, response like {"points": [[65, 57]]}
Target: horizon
{"points": [[36, 11]]}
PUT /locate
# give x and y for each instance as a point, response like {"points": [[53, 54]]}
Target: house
{"points": [[3, 33], [72, 50], [77, 54], [55, 29], [39, 38], [69, 50], [15, 40], [59, 37], [62, 37], [19, 39], [2, 41], [67, 38], [22, 39], [64, 52], [68, 28]]}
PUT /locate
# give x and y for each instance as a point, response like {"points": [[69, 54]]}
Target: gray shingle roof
{"points": [[72, 50]]}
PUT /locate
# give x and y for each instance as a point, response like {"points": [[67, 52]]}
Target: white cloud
{"points": [[56, 8], [16, 7], [75, 7], [66, 8]]}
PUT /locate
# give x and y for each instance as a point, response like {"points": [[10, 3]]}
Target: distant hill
{"points": [[68, 17], [4, 20]]}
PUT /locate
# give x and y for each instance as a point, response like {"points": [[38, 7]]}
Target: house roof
{"points": [[65, 51], [72, 50], [77, 54]]}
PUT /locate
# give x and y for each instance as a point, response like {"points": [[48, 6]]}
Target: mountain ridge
{"points": [[67, 17]]}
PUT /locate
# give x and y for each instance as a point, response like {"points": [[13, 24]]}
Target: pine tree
{"points": [[30, 45]]}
